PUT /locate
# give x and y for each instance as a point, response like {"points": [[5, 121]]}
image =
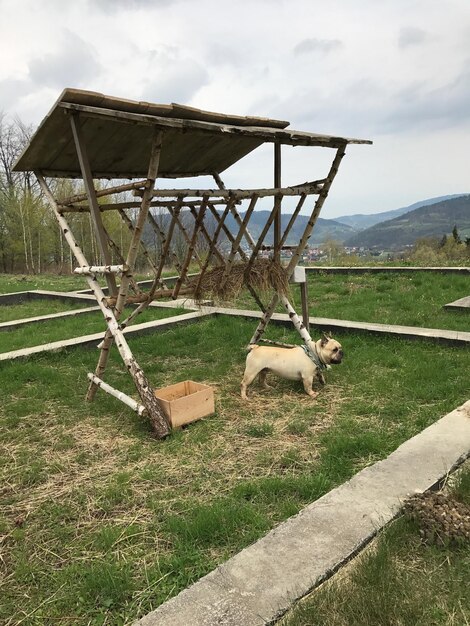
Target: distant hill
{"points": [[323, 230], [434, 219], [361, 221]]}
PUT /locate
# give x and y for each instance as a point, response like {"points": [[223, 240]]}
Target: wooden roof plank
{"points": [[117, 136]]}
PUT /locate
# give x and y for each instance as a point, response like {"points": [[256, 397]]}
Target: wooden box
{"points": [[186, 402]]}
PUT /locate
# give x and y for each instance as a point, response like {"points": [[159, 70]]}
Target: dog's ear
{"points": [[325, 339]]}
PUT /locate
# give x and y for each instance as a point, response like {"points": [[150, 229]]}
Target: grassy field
{"points": [[68, 327], [100, 522], [33, 308], [414, 299], [10, 283], [399, 579]]}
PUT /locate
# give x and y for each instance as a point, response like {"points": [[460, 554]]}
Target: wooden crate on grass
{"points": [[186, 402]]}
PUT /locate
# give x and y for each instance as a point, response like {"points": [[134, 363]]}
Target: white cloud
{"points": [[412, 36], [394, 71], [73, 63], [324, 46]]}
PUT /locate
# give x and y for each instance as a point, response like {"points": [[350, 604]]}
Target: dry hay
{"points": [[441, 518], [263, 275]]}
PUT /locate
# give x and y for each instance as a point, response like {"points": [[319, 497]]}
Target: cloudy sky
{"points": [[394, 71]]}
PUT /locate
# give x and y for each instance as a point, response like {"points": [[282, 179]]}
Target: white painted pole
{"points": [[101, 269], [130, 402]]}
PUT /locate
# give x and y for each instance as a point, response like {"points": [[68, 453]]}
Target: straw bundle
{"points": [[263, 275]]}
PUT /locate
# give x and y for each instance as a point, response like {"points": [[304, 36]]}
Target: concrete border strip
{"points": [[40, 294], [393, 269], [462, 304], [260, 583], [453, 337]]}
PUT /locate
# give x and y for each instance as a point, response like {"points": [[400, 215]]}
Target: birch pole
{"points": [[295, 319], [130, 261]]}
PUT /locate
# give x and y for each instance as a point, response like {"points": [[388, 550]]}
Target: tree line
{"points": [[30, 239]]}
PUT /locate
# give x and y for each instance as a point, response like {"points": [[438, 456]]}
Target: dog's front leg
{"points": [[307, 381]]}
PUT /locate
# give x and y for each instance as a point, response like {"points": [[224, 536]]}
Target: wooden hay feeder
{"points": [[91, 136], [186, 402]]}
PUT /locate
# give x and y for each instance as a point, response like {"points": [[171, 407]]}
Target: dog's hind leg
{"points": [[248, 378], [262, 379]]}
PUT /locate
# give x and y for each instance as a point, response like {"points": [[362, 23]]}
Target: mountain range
{"points": [[430, 220], [361, 221], [389, 229], [433, 217]]}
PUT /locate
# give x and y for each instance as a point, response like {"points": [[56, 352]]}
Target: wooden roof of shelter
{"points": [[118, 143]]}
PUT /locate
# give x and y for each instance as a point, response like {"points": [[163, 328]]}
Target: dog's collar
{"points": [[313, 356]]}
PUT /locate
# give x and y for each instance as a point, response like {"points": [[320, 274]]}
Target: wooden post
{"points": [[198, 224], [304, 300], [293, 217], [240, 250], [275, 212], [316, 210], [104, 192], [234, 212], [236, 242], [161, 235], [212, 246], [131, 257], [278, 216], [92, 199], [204, 232], [157, 279], [143, 248]]}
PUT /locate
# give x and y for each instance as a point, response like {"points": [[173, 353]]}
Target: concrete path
{"points": [[461, 303], [260, 583]]}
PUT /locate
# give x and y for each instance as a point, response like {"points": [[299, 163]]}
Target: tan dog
{"points": [[292, 363]]}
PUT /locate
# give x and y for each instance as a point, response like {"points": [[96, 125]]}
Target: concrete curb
{"points": [[462, 304], [259, 584], [364, 269], [452, 337], [39, 294]]}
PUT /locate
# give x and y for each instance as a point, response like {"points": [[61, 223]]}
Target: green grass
{"points": [[398, 580], [34, 308], [99, 522], [66, 328], [411, 299], [415, 300], [11, 283]]}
